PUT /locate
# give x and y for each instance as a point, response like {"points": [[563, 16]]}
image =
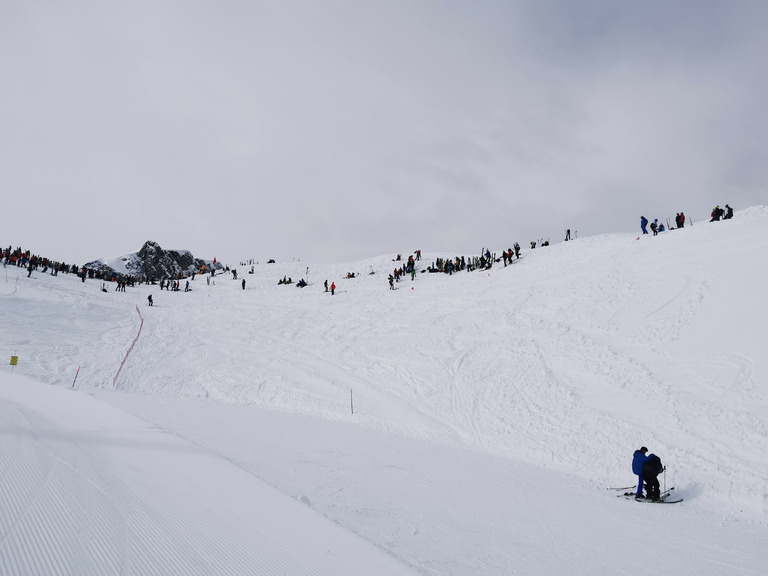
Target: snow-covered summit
{"points": [[151, 261]]}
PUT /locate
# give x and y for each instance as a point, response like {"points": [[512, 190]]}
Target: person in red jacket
{"points": [[333, 287]]}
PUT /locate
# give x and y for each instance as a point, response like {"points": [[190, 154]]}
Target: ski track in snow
{"points": [[566, 360]]}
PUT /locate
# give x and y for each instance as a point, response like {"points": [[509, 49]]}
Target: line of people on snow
{"points": [[720, 214], [25, 259], [656, 227], [286, 280], [174, 285], [449, 266]]}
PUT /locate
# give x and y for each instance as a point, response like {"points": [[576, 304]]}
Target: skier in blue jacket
{"points": [[639, 458], [643, 224]]}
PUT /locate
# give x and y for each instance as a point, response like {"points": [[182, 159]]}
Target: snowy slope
{"points": [[90, 489], [491, 409]]}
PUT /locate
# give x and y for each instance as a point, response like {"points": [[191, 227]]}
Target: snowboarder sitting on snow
{"points": [[728, 214]]}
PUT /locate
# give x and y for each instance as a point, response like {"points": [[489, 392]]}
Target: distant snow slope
{"points": [[478, 416]]}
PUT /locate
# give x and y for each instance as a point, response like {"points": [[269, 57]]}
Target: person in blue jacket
{"points": [[639, 458], [643, 224]]}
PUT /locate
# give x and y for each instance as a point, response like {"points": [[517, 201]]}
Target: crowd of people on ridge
{"points": [[32, 262], [656, 227]]}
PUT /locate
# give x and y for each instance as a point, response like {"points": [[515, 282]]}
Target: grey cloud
{"points": [[350, 128]]}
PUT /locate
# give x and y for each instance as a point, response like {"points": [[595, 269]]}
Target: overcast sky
{"points": [[337, 130]]}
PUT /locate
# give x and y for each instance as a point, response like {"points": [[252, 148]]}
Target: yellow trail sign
{"points": [[14, 360]]}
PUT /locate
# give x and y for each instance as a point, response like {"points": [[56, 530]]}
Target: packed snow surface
{"points": [[472, 424]]}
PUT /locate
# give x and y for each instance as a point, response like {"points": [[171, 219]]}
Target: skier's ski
{"points": [[663, 498], [621, 488], [649, 501], [662, 495]]}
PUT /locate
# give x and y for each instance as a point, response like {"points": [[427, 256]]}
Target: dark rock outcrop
{"points": [[154, 263]]}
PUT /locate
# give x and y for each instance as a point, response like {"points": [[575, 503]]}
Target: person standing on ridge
{"points": [[643, 224]]}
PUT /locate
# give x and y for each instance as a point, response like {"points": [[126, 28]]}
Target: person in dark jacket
{"points": [[639, 458], [728, 212], [643, 224], [651, 469]]}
